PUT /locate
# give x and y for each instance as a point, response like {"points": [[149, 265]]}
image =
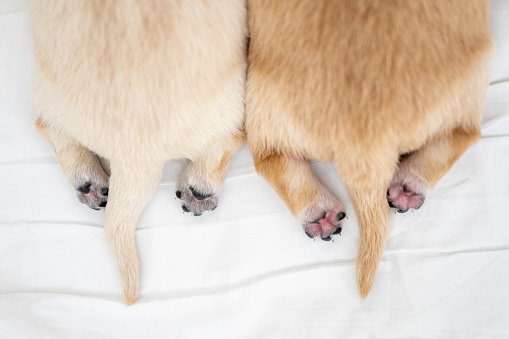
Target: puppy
{"points": [[391, 92], [140, 83]]}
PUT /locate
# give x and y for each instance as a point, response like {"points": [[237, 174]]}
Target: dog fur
{"points": [[140, 83], [391, 92]]}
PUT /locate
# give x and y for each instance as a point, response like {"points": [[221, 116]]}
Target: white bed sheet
{"points": [[247, 270]]}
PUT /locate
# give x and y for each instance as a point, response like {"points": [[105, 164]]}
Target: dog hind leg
{"points": [[318, 210], [81, 166], [421, 169], [200, 185]]}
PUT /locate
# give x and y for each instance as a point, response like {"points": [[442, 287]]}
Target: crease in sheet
{"points": [[49, 222], [201, 291], [428, 251], [31, 161], [457, 288]]}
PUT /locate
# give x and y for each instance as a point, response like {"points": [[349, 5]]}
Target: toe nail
{"points": [[104, 191], [184, 208], [327, 238], [199, 195], [85, 189], [309, 235], [102, 204], [341, 216], [178, 194], [338, 230]]}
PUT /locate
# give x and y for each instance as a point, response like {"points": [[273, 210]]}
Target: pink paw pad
{"points": [[402, 197], [325, 224]]}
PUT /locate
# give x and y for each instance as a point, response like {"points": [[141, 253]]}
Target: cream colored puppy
{"points": [[392, 92], [140, 83]]}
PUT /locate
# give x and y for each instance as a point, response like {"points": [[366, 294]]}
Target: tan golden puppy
{"points": [[139, 83], [390, 91]]}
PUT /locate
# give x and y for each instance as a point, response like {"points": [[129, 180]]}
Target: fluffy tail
{"points": [[132, 185], [123, 247], [373, 214]]}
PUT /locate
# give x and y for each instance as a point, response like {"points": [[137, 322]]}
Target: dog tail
{"points": [[122, 244], [373, 214], [132, 185]]}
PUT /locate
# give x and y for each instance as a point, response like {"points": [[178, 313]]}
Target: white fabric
{"points": [[247, 270]]}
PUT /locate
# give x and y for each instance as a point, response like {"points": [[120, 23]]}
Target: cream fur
{"points": [[392, 92], [139, 83]]}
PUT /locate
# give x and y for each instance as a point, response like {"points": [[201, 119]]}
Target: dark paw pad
{"points": [[85, 189], [93, 195], [198, 195], [196, 201]]}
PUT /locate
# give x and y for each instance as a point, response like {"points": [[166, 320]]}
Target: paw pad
{"points": [[326, 224], [402, 197], [93, 195], [195, 201]]}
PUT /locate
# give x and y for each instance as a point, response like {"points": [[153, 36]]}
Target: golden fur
{"points": [[140, 83], [392, 92]]}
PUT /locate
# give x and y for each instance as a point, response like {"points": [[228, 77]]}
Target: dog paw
{"points": [[323, 219], [197, 199], [406, 194], [93, 195]]}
